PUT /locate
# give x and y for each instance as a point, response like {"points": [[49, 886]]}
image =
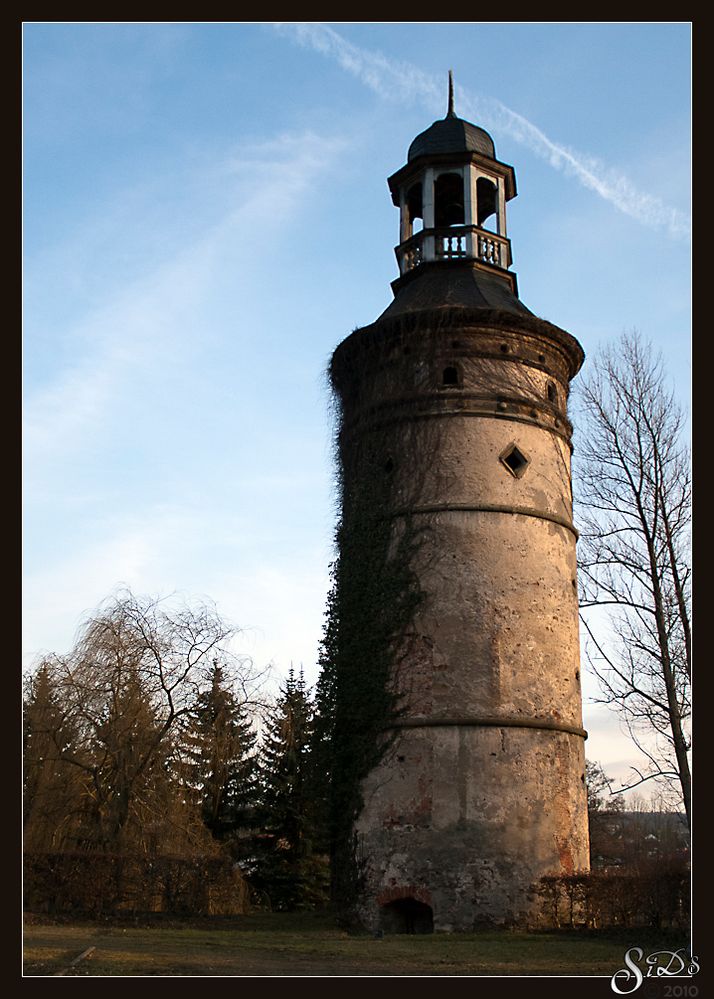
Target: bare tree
{"points": [[633, 490]]}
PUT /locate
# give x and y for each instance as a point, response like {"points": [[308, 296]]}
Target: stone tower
{"points": [[456, 398]]}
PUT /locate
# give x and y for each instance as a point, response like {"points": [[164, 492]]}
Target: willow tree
{"points": [[633, 488]]}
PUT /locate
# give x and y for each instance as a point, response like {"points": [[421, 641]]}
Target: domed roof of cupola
{"points": [[452, 135]]}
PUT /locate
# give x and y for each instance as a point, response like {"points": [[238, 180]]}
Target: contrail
{"points": [[406, 82]]}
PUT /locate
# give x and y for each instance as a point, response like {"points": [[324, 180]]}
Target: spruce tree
{"points": [[55, 793], [221, 762], [289, 871]]}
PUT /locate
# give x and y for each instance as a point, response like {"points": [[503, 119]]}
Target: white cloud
{"points": [[78, 458], [402, 81], [149, 321]]}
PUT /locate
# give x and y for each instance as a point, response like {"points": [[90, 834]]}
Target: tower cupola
{"points": [[452, 196]]}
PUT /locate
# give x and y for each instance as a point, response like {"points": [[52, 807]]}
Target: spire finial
{"points": [[451, 113]]}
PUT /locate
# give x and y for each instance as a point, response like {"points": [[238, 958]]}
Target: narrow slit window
{"points": [[515, 460], [552, 395]]}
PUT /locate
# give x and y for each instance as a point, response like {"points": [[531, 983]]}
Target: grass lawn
{"points": [[310, 944]]}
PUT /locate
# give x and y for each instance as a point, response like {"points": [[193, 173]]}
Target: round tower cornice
{"points": [[473, 325]]}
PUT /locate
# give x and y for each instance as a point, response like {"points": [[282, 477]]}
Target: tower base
{"points": [[460, 823]]}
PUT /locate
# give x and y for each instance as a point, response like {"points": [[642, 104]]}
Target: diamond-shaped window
{"points": [[515, 460]]}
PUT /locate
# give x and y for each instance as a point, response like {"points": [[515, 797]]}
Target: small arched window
{"points": [[450, 377], [552, 394]]}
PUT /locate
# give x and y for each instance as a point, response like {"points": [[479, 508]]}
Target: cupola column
{"points": [[470, 210], [428, 250], [502, 211], [405, 222]]}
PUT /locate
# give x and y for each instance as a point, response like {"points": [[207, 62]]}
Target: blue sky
{"points": [[207, 216]]}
